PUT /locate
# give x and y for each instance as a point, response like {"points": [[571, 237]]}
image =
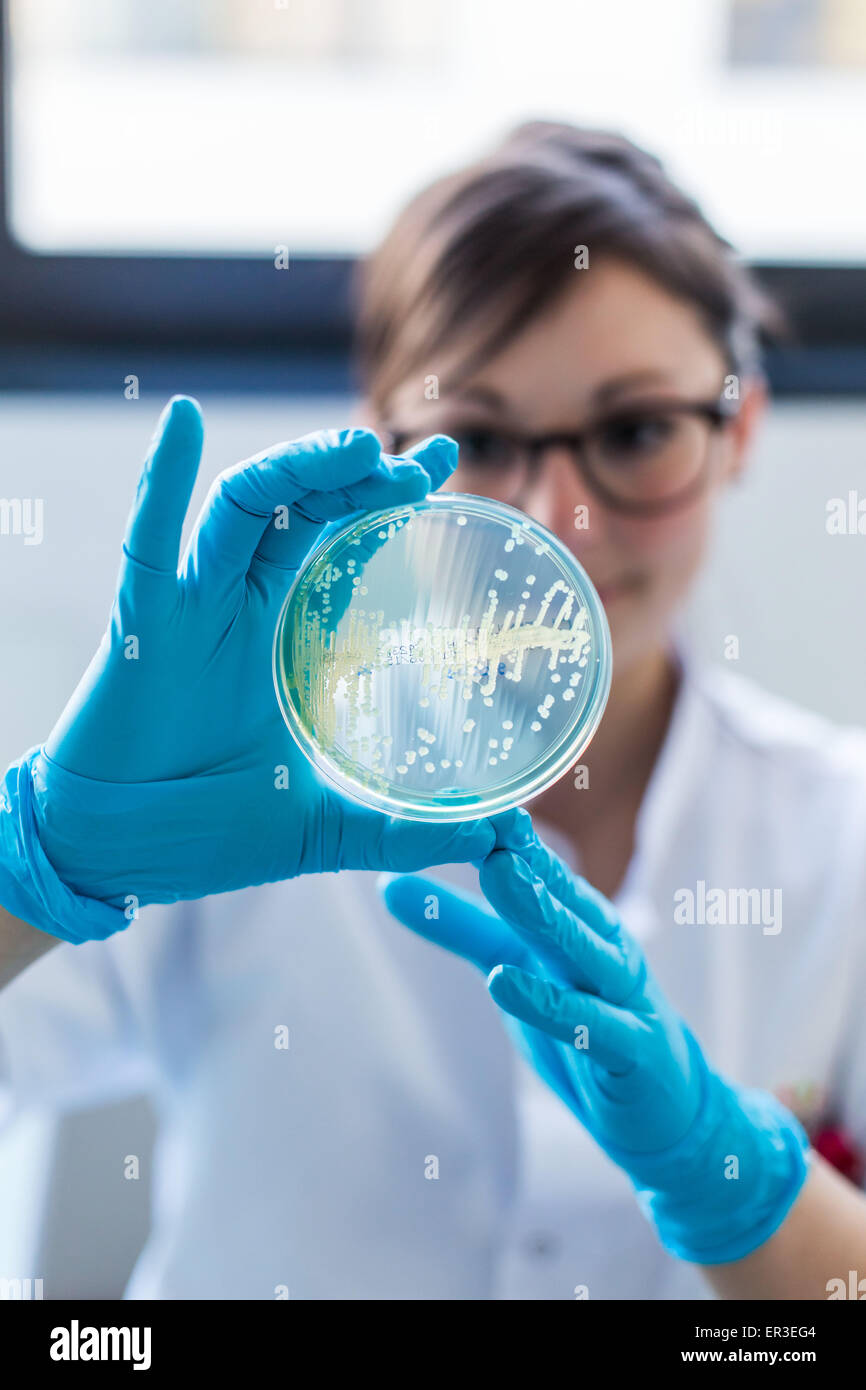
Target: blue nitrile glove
{"points": [[171, 774], [716, 1167]]}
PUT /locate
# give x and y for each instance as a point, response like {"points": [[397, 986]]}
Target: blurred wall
{"points": [[793, 595]]}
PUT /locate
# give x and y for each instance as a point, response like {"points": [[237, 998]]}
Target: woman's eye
{"points": [[637, 435], [478, 447]]}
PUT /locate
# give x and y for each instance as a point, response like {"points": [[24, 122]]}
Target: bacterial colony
{"points": [[350, 654]]}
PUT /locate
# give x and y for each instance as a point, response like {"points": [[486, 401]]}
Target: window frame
{"points": [[81, 322]]}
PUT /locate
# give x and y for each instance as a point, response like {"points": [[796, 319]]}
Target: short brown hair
{"points": [[484, 249]]}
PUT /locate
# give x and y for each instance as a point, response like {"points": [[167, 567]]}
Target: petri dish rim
{"points": [[560, 755]]}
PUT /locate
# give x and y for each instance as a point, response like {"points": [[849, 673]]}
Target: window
{"points": [[158, 154]]}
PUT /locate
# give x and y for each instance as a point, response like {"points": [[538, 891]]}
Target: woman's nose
{"points": [[562, 501]]}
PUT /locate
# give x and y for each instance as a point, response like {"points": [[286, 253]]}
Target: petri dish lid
{"points": [[442, 660]]}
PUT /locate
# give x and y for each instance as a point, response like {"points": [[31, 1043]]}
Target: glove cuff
{"points": [[29, 886], [729, 1183]]}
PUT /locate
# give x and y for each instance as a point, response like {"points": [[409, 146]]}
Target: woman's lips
{"points": [[615, 589]]}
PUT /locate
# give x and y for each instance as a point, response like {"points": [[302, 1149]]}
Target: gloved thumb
{"points": [[165, 486]]}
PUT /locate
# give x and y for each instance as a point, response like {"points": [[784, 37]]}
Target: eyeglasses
{"points": [[647, 459]]}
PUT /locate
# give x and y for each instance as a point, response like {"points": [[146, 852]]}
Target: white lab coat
{"points": [[313, 1168]]}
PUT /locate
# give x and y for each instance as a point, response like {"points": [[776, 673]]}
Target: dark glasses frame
{"points": [[717, 415]]}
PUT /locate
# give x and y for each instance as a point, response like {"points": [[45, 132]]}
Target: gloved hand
{"points": [[716, 1166], [171, 774]]}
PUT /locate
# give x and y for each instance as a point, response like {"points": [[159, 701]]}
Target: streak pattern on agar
{"points": [[401, 665]]}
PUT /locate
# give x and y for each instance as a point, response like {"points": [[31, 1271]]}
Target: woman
{"points": [[613, 396], [391, 1145]]}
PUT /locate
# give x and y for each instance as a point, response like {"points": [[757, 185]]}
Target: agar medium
{"points": [[442, 660]]}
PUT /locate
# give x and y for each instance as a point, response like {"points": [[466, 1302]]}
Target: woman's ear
{"points": [[754, 400]]}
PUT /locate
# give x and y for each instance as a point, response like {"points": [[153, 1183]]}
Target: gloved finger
{"points": [[331, 473], [573, 952], [610, 1036], [438, 453], [243, 500], [438, 465], [461, 922], [306, 482], [403, 846], [571, 889], [514, 829], [550, 1059], [155, 523], [392, 483], [424, 466]]}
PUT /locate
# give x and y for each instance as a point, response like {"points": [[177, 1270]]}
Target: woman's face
{"points": [[613, 341]]}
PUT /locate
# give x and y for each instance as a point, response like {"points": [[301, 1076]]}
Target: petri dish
{"points": [[442, 660]]}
